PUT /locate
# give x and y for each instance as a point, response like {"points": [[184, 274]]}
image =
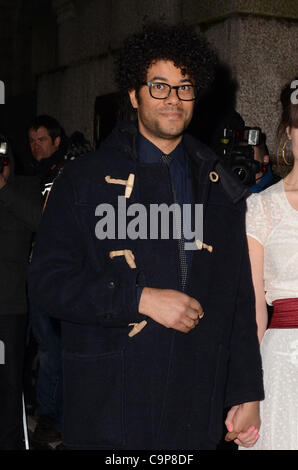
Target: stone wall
{"points": [[73, 52], [262, 54], [88, 33]]}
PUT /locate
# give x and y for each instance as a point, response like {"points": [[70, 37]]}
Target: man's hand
{"points": [[4, 176], [243, 423], [171, 308], [2, 181]]}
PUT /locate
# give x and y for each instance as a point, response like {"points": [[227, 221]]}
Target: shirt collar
{"points": [[149, 153]]}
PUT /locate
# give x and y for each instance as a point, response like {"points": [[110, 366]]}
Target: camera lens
{"points": [[241, 173]]}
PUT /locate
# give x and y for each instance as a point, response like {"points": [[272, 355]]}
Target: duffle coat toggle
{"points": [[137, 327], [213, 176], [201, 246], [127, 183], [130, 259], [128, 254]]}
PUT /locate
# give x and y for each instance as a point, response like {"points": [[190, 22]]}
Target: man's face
{"points": [[163, 121], [41, 143], [6, 172]]}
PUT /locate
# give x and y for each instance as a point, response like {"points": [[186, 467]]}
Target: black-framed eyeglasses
{"points": [[161, 91]]}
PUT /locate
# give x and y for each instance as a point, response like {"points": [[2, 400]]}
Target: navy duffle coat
{"points": [[160, 389]]}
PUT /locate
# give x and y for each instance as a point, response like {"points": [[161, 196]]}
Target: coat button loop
{"points": [[213, 176]]}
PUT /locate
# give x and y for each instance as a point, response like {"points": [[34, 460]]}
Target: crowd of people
{"points": [[142, 343]]}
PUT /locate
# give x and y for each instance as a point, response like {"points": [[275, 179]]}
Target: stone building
{"points": [[57, 55]]}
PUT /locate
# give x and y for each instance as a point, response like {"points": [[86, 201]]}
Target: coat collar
{"points": [[206, 161]]}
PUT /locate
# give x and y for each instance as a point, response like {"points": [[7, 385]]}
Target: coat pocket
{"points": [[94, 400]]}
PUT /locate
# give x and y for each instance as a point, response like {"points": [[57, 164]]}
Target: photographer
{"points": [[20, 212], [245, 152]]}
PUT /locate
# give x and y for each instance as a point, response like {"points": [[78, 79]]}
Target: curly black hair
{"points": [[180, 44]]}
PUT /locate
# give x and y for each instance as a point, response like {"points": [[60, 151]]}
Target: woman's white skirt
{"points": [[279, 410]]}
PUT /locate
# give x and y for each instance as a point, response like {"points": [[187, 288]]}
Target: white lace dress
{"points": [[274, 223]]}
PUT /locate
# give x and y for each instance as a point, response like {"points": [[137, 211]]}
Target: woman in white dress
{"points": [[272, 229]]}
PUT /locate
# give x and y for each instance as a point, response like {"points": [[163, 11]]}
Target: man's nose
{"points": [[34, 147], [173, 96]]}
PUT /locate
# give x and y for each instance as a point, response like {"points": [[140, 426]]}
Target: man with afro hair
{"points": [[158, 338]]}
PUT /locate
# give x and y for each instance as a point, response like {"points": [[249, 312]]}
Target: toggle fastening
{"points": [[129, 257], [201, 246], [213, 176], [127, 183], [137, 327]]}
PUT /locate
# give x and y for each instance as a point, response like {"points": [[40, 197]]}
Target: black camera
{"points": [[3, 154], [237, 149]]}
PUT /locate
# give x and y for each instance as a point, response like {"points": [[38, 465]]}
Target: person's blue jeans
{"points": [[49, 386]]}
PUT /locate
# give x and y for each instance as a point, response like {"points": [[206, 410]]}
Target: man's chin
{"points": [[171, 132], [173, 127], [38, 157]]}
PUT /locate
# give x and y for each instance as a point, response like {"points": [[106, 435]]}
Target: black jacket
{"points": [[20, 213], [70, 148], [161, 389]]}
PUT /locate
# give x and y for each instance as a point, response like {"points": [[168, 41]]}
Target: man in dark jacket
{"points": [[51, 150], [20, 212], [48, 144], [158, 339]]}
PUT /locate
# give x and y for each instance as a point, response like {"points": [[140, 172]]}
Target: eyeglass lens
{"points": [[162, 91]]}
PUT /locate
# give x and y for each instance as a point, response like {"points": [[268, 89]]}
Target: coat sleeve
{"points": [[22, 198], [63, 279], [245, 380]]}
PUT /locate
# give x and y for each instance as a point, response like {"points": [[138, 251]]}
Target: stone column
{"points": [[258, 40]]}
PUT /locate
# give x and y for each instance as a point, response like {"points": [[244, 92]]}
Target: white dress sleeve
{"points": [[256, 226]]}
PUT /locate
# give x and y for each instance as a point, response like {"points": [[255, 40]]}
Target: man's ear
{"points": [[133, 98], [57, 141]]}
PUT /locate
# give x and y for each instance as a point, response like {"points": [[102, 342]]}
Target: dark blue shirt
{"points": [[179, 168], [179, 172]]}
